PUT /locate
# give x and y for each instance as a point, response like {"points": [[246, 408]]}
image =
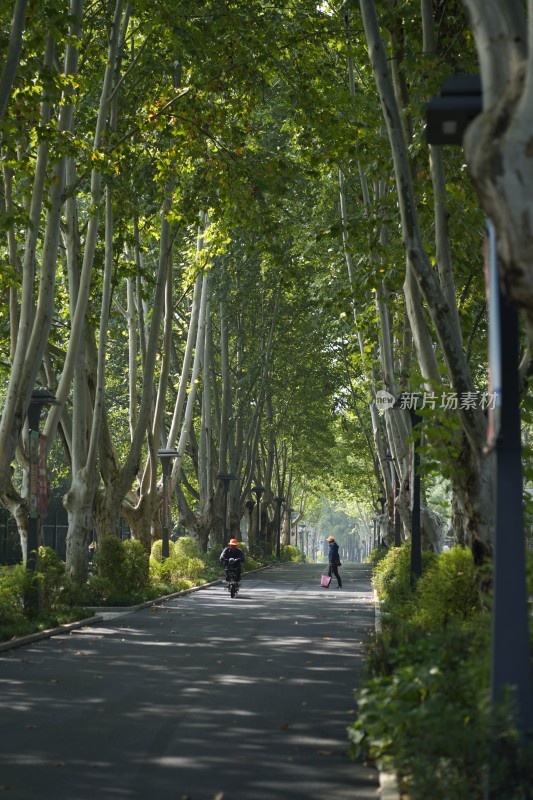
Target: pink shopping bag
{"points": [[325, 580]]}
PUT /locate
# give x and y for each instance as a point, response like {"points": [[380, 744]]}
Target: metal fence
{"points": [[54, 534], [10, 550]]}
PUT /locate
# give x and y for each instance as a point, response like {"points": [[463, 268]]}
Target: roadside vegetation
{"points": [[423, 710], [122, 574]]}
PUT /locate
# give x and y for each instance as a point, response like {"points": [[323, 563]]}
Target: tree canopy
{"points": [[223, 232]]}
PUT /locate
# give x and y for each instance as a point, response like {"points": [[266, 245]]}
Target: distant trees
{"points": [[112, 304]]}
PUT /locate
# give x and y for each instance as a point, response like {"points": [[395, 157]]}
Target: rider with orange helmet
{"points": [[232, 550]]}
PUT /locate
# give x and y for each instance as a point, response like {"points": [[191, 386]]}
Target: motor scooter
{"points": [[233, 577]]}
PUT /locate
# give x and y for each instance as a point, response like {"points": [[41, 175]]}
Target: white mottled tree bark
{"points": [[478, 492], [498, 143]]}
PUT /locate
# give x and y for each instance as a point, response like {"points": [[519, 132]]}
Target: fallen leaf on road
{"points": [[324, 752], [284, 726]]}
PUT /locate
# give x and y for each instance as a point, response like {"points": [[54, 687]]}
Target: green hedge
{"points": [[58, 597], [423, 710]]}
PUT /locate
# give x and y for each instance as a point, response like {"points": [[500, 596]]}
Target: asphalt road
{"points": [[198, 698]]}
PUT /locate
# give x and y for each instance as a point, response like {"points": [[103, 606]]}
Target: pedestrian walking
{"points": [[334, 559]]}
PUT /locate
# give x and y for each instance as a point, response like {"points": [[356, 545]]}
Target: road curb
{"points": [[388, 783], [165, 597], [96, 618], [35, 637]]}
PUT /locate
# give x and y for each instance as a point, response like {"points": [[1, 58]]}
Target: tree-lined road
{"points": [[202, 697]]}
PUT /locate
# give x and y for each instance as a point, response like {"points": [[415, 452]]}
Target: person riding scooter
{"points": [[232, 550]]}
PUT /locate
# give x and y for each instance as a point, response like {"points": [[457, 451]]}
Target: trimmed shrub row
{"points": [[122, 574], [423, 710]]}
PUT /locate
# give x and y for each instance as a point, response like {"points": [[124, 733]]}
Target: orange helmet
{"points": [[233, 541]]}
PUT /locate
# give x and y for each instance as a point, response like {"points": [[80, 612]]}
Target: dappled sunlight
{"points": [[166, 692]]}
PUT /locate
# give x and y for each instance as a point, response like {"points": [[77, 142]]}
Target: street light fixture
{"points": [[226, 477], [166, 457], [278, 500], [37, 484], [449, 116]]}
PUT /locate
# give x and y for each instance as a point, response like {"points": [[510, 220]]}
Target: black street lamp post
{"points": [[382, 500], [258, 491], [396, 512], [226, 478], [37, 485], [416, 532], [375, 534], [448, 116], [304, 538], [278, 500], [408, 401], [166, 457], [289, 512], [250, 505]]}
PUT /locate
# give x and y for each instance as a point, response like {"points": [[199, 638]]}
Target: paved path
{"points": [[199, 698]]}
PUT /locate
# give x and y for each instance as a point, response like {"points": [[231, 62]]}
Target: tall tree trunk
{"points": [[19, 389], [185, 511], [473, 419], [13, 54], [497, 144], [117, 489], [79, 500]]}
